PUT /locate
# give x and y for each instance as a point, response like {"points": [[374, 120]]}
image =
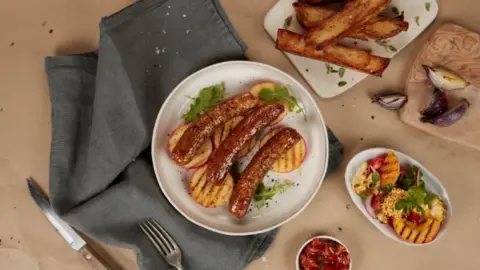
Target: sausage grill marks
{"points": [[203, 128], [259, 166], [224, 156]]}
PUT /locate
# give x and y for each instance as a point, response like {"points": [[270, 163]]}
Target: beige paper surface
{"points": [[29, 242]]}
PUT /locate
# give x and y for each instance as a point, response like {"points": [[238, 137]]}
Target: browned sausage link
{"points": [[224, 156], [204, 126], [261, 163]]}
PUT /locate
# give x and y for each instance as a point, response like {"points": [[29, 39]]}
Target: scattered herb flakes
{"points": [[280, 94], [385, 44], [340, 228], [427, 6], [341, 72], [50, 31], [330, 69], [392, 48], [342, 83], [417, 20], [347, 206], [207, 98], [395, 11], [343, 105], [287, 22]]}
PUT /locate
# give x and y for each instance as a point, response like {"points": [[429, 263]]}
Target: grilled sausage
{"points": [[261, 163], [204, 126], [224, 156]]}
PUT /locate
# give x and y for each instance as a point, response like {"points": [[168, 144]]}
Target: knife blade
{"points": [[66, 231]]}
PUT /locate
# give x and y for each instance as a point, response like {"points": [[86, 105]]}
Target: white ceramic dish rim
{"points": [[297, 84], [380, 226], [297, 264]]}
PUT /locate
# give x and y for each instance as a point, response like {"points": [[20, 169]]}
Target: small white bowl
{"points": [[321, 237], [432, 183]]}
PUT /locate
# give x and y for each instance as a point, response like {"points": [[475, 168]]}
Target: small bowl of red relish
{"points": [[324, 253]]}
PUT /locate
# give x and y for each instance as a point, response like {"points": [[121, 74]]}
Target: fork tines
{"points": [[162, 241]]}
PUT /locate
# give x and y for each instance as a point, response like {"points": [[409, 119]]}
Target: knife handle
{"points": [[93, 259]]}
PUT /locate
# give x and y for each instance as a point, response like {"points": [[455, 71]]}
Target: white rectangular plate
{"points": [[315, 72]]}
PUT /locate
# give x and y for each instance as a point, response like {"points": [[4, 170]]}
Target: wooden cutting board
{"points": [[457, 49]]}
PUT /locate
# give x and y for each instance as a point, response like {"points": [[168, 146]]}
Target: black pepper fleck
{"points": [[340, 228], [18, 242], [373, 117], [11, 237], [306, 70], [50, 31], [1, 109], [347, 206], [343, 105], [355, 43], [14, 207], [12, 44], [155, 65], [361, 139]]}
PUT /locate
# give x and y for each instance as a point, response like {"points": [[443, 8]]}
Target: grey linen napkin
{"points": [[104, 105]]}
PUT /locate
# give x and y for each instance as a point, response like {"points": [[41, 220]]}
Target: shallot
{"points": [[390, 101], [445, 79]]}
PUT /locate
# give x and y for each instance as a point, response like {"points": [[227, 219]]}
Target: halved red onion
{"points": [[368, 206]]}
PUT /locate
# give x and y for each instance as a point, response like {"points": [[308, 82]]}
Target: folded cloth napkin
{"points": [[104, 106]]}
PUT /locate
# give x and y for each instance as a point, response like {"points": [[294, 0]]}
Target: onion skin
{"points": [[392, 102], [437, 106], [451, 116], [445, 79]]}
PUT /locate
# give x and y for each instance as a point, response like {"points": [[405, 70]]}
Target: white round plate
{"points": [[239, 76]]}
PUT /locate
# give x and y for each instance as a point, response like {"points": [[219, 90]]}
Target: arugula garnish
{"points": [[207, 98], [263, 193], [280, 94], [409, 179], [416, 197]]}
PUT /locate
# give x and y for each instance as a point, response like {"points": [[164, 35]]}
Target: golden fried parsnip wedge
{"points": [[206, 193], [354, 58], [355, 14], [380, 27]]}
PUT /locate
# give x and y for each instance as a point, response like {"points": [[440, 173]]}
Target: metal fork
{"points": [[163, 242]]}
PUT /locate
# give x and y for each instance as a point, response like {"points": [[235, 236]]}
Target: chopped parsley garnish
{"points": [[386, 189], [427, 6], [287, 22], [342, 83], [281, 94], [417, 20], [416, 197], [385, 44], [341, 72], [206, 99]]}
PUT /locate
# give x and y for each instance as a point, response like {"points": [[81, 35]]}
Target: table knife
{"points": [[66, 231]]}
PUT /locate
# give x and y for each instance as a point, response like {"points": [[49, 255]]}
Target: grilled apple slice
{"points": [[390, 169], [292, 158], [256, 89], [417, 233], [433, 231], [206, 193], [222, 132], [203, 153]]}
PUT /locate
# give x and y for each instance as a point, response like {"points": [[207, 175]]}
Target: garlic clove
{"points": [[445, 79]]}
